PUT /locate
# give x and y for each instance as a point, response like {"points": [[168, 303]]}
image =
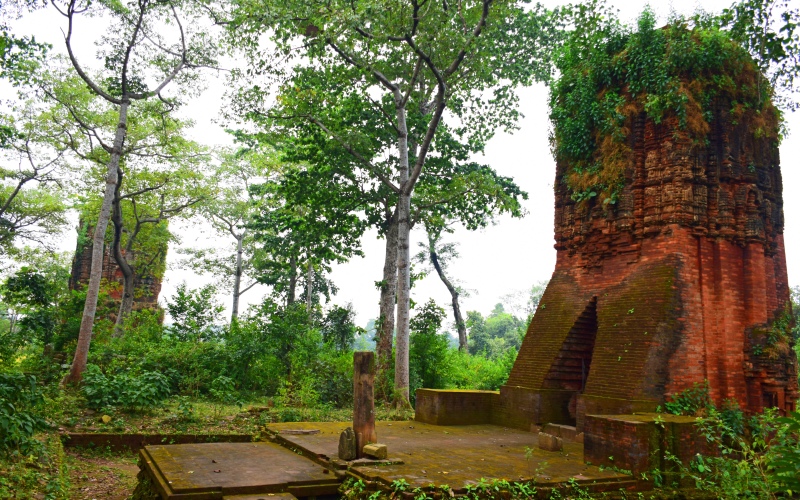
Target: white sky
{"points": [[507, 257]]}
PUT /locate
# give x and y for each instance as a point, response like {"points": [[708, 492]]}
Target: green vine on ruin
{"points": [[678, 74]]}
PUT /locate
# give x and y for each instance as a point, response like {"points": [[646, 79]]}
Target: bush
{"points": [[333, 378], [428, 351], [20, 402], [131, 392], [689, 401]]}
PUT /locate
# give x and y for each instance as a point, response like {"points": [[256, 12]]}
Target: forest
{"points": [[343, 119]]}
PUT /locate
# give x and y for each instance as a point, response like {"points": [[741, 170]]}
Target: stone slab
{"points": [[376, 450], [135, 442], [567, 432], [548, 442], [215, 470], [458, 456], [266, 496]]}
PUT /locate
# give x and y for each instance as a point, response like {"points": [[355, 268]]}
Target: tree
{"points": [[428, 351], [33, 299], [302, 226], [140, 62], [440, 255], [338, 327], [411, 68], [230, 208], [195, 313], [152, 199], [33, 172]]}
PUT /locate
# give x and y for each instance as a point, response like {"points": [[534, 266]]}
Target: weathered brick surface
{"points": [[454, 407], [642, 443], [148, 287], [674, 284]]}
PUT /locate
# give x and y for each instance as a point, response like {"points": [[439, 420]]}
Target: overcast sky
{"points": [[507, 257]]}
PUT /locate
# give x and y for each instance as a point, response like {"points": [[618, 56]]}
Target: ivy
{"points": [[611, 74]]}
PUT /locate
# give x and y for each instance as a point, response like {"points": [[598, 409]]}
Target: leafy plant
{"points": [[20, 417], [131, 392], [689, 401], [223, 390], [612, 73]]}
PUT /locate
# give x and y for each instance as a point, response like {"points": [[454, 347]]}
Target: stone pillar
{"points": [[364, 400]]}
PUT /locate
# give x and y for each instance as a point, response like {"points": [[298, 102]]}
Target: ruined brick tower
{"points": [[148, 287], [683, 280]]}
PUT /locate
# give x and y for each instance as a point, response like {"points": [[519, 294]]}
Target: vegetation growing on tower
{"points": [[678, 74]]}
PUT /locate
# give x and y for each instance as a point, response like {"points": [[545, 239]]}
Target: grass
{"points": [[102, 473]]}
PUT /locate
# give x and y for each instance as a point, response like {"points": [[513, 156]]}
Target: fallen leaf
{"points": [[106, 419]]}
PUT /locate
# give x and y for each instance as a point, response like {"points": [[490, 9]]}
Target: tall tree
{"points": [[439, 255], [412, 61], [229, 208], [149, 44], [150, 200], [301, 230], [33, 174]]}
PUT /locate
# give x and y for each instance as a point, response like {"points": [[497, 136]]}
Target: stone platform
{"points": [[457, 456], [221, 470], [302, 461]]}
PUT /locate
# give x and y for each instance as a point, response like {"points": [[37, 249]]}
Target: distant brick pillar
{"points": [[149, 287]]}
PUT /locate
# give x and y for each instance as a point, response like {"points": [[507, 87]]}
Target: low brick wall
{"points": [[638, 442], [454, 407], [118, 442]]}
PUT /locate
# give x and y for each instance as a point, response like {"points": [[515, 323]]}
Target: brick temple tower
{"points": [[683, 280], [148, 287]]}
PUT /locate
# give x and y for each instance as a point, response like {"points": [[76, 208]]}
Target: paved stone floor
{"points": [[302, 461], [235, 469], [453, 455]]}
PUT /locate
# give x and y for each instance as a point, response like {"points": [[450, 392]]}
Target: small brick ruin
{"points": [[682, 281], [148, 287]]}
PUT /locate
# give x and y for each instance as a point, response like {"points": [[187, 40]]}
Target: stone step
{"points": [[567, 432]]}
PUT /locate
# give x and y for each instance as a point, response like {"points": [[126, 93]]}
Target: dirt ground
{"points": [[101, 475]]}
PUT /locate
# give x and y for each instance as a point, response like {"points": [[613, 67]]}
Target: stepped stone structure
{"points": [[149, 287], [682, 281]]}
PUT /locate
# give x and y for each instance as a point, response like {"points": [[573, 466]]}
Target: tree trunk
{"points": [[126, 301], [309, 286], [292, 280], [237, 279], [93, 290], [401, 391], [383, 344], [125, 305], [460, 325]]}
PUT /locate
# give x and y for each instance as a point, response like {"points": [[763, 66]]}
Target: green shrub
{"points": [[20, 404], [428, 351], [761, 462], [131, 392], [333, 378], [689, 401]]}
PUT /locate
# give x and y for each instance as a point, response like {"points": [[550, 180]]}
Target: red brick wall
{"points": [[689, 272], [149, 287]]}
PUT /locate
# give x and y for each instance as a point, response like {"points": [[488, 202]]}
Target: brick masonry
{"points": [[677, 283], [148, 287]]}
